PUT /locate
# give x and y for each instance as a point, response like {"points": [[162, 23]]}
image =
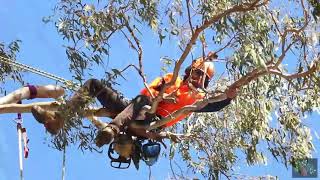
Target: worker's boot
{"points": [[52, 121], [106, 135]]}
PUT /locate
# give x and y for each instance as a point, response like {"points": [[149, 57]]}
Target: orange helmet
{"points": [[205, 66]]}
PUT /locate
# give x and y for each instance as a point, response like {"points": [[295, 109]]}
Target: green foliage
{"points": [[250, 126], [316, 8], [75, 131], [267, 116], [6, 71], [88, 28]]}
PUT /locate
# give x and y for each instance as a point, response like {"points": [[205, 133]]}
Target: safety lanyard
{"points": [[23, 133]]}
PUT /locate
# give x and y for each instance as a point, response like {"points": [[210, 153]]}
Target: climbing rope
{"points": [[22, 136], [69, 84], [20, 151], [63, 175]]}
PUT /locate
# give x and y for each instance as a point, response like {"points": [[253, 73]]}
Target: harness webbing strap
{"points": [[33, 91]]}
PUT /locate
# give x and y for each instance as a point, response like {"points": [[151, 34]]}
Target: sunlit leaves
{"points": [[250, 126], [89, 27], [8, 52], [266, 117], [316, 8]]}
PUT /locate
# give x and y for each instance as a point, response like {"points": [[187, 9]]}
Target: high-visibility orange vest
{"points": [[183, 95]]}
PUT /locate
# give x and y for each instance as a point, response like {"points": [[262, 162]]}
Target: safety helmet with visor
{"points": [[201, 67]]}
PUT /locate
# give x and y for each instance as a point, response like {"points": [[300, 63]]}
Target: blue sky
{"points": [[42, 48]]}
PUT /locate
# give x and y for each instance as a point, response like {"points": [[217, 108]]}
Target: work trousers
{"points": [[112, 100]]}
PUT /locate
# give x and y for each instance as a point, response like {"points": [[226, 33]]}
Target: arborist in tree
{"points": [[184, 92]]}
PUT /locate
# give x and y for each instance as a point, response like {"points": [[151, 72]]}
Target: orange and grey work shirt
{"points": [[181, 92]]}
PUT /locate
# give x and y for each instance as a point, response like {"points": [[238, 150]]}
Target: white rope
{"points": [[69, 84], [20, 154], [64, 163]]}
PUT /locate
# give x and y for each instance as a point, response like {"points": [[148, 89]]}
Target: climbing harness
{"points": [[22, 137], [33, 91], [69, 84]]}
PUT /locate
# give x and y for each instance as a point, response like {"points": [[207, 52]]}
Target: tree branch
{"points": [[140, 53], [189, 17], [296, 75], [237, 8], [292, 30], [275, 22], [253, 75], [228, 44]]}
